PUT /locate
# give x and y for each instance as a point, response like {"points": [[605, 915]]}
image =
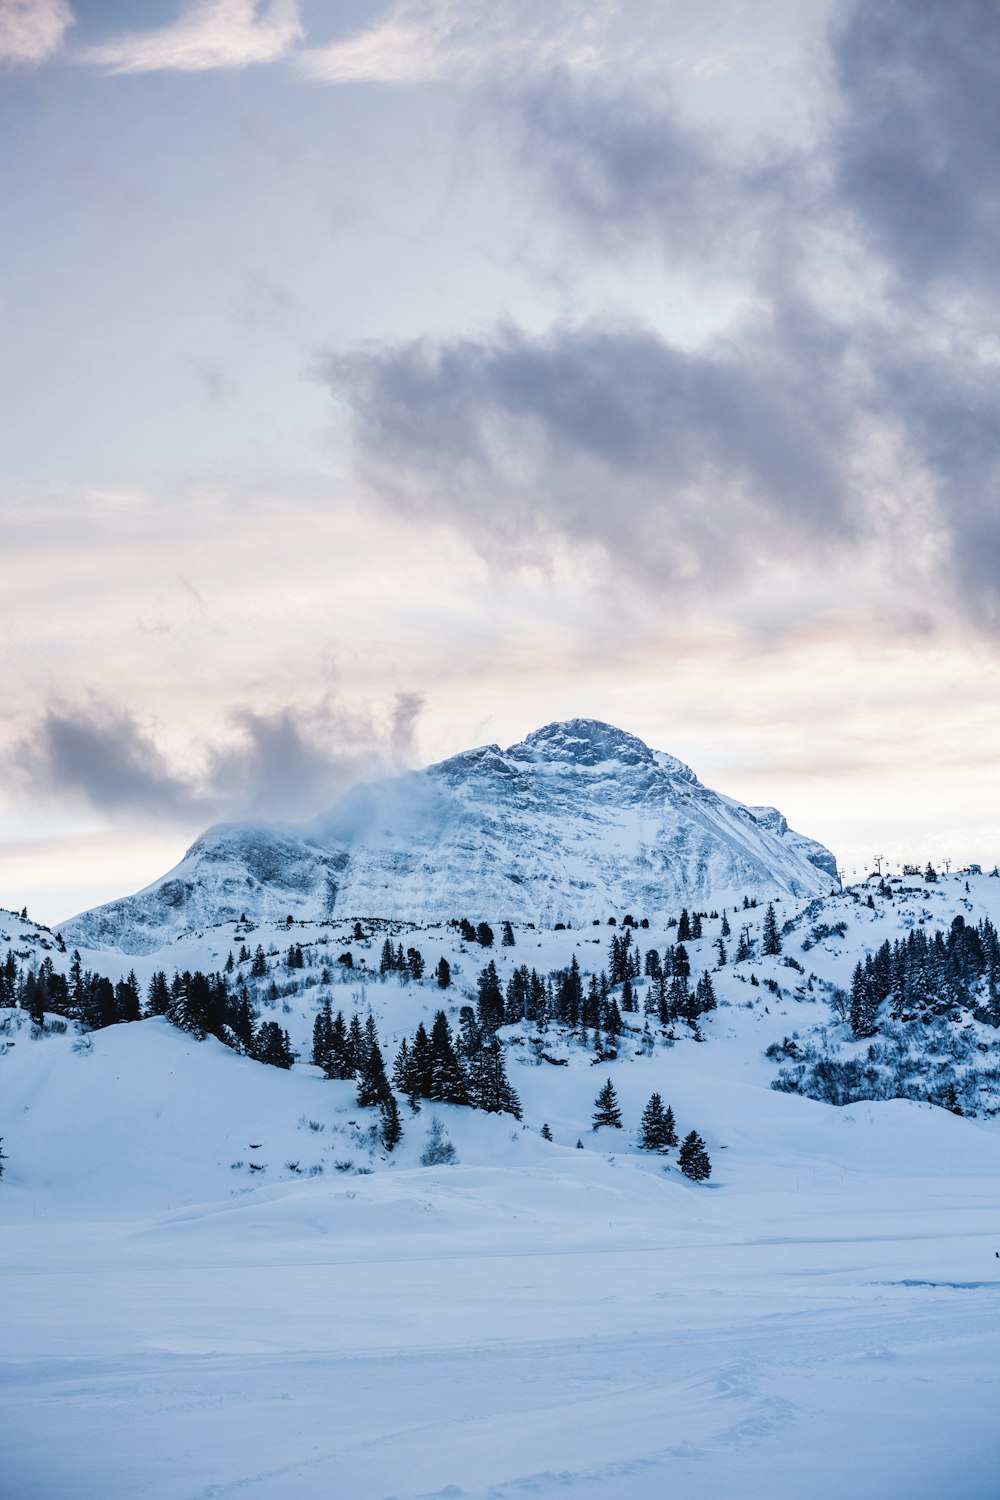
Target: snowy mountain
{"points": [[578, 821]]}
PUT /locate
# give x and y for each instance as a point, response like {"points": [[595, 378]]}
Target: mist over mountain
{"points": [[579, 820]]}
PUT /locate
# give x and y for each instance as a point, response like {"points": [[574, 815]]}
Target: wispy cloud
{"points": [[32, 31], [419, 41], [209, 35], [285, 763]]}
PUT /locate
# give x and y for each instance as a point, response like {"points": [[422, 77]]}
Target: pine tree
{"points": [[669, 1130], [725, 929], [546, 1133], [373, 1085], [653, 1126], [606, 1109], [339, 1064], [443, 974], [272, 1045], [422, 1063], [3, 1156], [489, 1004], [447, 1082], [323, 1035], [415, 963], [392, 1125], [356, 1044], [693, 1158], [258, 969], [864, 1005], [496, 1095], [507, 940], [772, 937]]}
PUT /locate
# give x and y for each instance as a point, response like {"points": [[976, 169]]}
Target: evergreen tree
{"points": [[489, 1003], [653, 1131], [415, 963], [323, 1035], [356, 1044], [392, 1125], [339, 1060], [606, 1109], [507, 940], [495, 1094], [772, 937], [447, 1082], [258, 969], [423, 1064], [484, 935], [373, 1085], [669, 1130], [158, 995], [684, 927], [443, 974], [546, 1133], [693, 1158], [272, 1045], [864, 1005], [628, 996], [725, 929], [613, 1023], [3, 1156]]}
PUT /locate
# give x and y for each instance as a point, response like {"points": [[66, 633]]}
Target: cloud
{"points": [[623, 169], [678, 465], [104, 757], [853, 407], [917, 149], [32, 31], [420, 41], [209, 35], [285, 763]]}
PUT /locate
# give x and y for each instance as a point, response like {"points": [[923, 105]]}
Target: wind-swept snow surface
{"points": [[580, 820]]}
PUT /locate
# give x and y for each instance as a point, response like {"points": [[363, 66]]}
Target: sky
{"points": [[379, 380]]}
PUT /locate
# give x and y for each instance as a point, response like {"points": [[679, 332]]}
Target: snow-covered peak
{"points": [[582, 742], [578, 821]]}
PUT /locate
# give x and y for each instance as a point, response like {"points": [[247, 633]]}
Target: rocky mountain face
{"points": [[579, 821]]}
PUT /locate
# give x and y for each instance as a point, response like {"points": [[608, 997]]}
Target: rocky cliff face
{"points": [[580, 820]]}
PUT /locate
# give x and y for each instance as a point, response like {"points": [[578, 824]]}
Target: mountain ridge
{"points": [[576, 821]]}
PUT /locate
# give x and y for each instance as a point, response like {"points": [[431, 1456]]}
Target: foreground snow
{"points": [[820, 1319]]}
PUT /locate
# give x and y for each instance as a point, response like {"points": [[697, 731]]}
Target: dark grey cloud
{"points": [[103, 756], [289, 763], [917, 151], [697, 464], [594, 430]]}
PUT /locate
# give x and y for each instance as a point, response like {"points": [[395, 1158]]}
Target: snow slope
{"points": [[819, 1319], [580, 820]]}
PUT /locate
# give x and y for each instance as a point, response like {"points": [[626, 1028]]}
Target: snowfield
{"points": [[216, 1282]]}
